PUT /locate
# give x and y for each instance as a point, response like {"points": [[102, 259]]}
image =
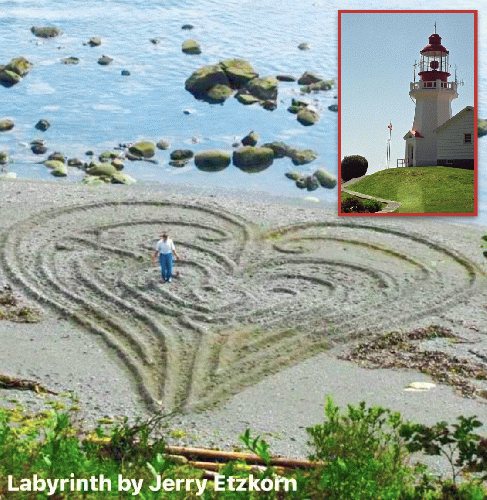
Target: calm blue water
{"points": [[95, 108]]}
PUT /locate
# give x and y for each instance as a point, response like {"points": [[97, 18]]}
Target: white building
{"points": [[433, 125]]}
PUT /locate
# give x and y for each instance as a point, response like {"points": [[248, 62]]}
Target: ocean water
{"points": [[93, 107]]}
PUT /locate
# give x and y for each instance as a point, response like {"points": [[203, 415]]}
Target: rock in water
{"points": [[308, 77], [46, 32], [6, 125], [325, 179], [307, 117], [204, 78], [263, 88], [181, 154], [212, 161], [238, 71], [191, 47], [105, 60], [252, 159], [144, 149], [250, 139], [42, 125]]}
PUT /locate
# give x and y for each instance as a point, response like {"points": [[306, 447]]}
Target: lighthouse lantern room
{"points": [[433, 94]]}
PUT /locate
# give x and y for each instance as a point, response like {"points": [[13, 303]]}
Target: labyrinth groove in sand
{"points": [[248, 302]]}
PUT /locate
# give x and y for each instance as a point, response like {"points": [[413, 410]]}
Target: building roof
{"points": [[455, 117], [413, 133]]}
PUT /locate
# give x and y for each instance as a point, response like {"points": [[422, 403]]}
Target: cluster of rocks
{"points": [[304, 114], [312, 182], [217, 82], [14, 71]]}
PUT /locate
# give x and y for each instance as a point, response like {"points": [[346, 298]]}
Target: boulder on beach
{"points": [[204, 78], [38, 147], [307, 117], [280, 149], [14, 71], [19, 65], [94, 41], [3, 158], [308, 77], [263, 88], [58, 168], [162, 144], [250, 139], [46, 31], [42, 125], [58, 156], [286, 78], [312, 183], [293, 175], [9, 78], [101, 169], [143, 149], [302, 156], [181, 154], [6, 125], [191, 47], [246, 98], [212, 161], [122, 178], [238, 71], [105, 60], [93, 180], [218, 93], [253, 159], [325, 179]]}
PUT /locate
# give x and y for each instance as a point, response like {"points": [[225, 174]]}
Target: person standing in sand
{"points": [[165, 249]]}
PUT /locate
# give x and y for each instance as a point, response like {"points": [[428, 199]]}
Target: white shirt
{"points": [[165, 247]]}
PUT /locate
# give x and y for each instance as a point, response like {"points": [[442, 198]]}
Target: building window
{"points": [[467, 138]]}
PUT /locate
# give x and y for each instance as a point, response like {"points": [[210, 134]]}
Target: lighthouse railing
{"points": [[432, 85]]}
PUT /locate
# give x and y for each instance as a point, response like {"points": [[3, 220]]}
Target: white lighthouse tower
{"points": [[433, 94]]}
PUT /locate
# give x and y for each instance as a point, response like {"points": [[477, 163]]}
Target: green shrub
{"points": [[373, 206], [353, 205], [353, 166]]}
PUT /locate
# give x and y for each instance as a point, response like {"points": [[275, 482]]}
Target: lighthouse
{"points": [[433, 94]]}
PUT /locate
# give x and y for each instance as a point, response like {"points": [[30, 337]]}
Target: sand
{"points": [[270, 290]]}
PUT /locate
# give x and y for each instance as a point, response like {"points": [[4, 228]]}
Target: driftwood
{"points": [[20, 384], [218, 456]]}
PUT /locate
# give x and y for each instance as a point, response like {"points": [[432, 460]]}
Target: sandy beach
{"points": [[270, 291]]}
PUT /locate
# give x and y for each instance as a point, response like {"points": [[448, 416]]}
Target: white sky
{"points": [[378, 51]]}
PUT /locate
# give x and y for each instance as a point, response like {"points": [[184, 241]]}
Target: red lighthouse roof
{"points": [[434, 45]]}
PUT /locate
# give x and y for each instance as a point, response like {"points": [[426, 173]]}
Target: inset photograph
{"points": [[408, 113]]}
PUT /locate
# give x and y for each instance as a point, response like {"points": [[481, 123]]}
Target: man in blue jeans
{"points": [[165, 250]]}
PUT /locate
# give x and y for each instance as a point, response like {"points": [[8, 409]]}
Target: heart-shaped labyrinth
{"points": [[247, 302]]}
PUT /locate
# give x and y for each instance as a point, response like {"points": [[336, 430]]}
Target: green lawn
{"points": [[422, 189]]}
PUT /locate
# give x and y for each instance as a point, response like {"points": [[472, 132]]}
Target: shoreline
{"points": [[280, 399]]}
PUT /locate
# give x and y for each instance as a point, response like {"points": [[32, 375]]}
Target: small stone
{"points": [[286, 78], [250, 139], [70, 60], [94, 41], [187, 27], [333, 107], [105, 60], [46, 32], [307, 117], [303, 46], [162, 144], [42, 125], [125, 72]]}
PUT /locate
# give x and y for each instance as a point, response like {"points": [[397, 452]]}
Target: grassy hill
{"points": [[422, 189]]}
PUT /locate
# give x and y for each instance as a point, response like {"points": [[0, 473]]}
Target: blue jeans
{"points": [[165, 260]]}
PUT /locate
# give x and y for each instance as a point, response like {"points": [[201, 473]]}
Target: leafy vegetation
{"points": [[353, 204], [423, 189], [361, 455]]}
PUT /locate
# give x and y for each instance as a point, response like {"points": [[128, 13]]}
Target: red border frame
{"points": [[476, 162]]}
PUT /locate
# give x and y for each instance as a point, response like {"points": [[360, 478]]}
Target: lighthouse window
{"points": [[467, 138]]}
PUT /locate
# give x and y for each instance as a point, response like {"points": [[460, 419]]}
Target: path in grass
{"points": [[390, 205]]}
